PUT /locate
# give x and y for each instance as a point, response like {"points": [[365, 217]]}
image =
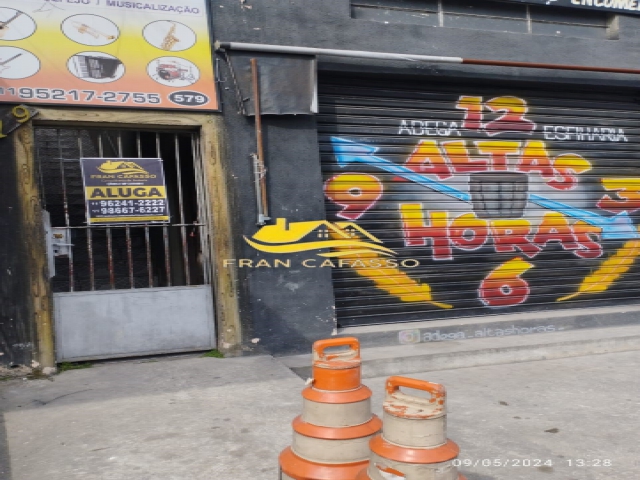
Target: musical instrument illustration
{"points": [[4, 26], [170, 39], [88, 66], [4, 63], [170, 70], [94, 32]]}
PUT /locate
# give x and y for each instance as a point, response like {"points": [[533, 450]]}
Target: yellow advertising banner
{"points": [[112, 53]]}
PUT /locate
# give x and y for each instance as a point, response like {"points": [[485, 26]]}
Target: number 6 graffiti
{"points": [[504, 287]]}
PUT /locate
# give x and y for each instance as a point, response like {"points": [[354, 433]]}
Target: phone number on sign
{"points": [[27, 93], [132, 210]]}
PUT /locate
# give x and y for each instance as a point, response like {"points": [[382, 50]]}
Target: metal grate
{"points": [[465, 245], [124, 256]]}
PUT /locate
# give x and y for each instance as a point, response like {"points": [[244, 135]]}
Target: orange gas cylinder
{"points": [[413, 444], [331, 437]]}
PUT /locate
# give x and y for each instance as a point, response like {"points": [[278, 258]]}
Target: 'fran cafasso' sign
{"points": [[620, 6], [125, 190]]}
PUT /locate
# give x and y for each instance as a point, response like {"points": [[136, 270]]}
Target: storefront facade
{"points": [[113, 185], [402, 192], [499, 192]]}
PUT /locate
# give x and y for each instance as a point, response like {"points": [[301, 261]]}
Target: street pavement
{"points": [[191, 418]]}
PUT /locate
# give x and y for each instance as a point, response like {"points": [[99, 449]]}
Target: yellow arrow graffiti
{"points": [[392, 280], [610, 270]]}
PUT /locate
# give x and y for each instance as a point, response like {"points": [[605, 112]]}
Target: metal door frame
{"points": [[216, 206]]}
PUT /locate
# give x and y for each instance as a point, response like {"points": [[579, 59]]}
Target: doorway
{"points": [[126, 289]]}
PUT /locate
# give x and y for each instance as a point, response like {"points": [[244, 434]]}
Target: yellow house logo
{"points": [[284, 237], [122, 167]]}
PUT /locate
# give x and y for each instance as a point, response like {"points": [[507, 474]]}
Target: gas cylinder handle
{"points": [[435, 389], [320, 346]]}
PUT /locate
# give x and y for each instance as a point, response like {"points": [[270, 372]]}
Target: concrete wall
{"points": [[284, 310]]}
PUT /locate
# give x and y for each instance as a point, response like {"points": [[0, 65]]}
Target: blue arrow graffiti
{"points": [[618, 227]]}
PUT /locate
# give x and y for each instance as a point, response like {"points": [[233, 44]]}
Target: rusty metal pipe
{"points": [[549, 66]]}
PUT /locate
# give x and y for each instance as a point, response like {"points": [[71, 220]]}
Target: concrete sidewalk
{"points": [[205, 418], [182, 419]]}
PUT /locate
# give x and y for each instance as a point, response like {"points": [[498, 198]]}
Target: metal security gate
{"points": [[494, 199], [126, 289]]}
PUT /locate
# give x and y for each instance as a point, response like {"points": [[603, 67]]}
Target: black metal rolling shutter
{"points": [[494, 199]]}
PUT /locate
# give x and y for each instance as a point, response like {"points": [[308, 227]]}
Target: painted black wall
{"points": [[283, 311], [16, 318]]}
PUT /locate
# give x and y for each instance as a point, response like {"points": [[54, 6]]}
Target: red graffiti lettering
{"points": [[555, 228], [499, 151], [460, 159], [535, 158], [428, 159], [511, 235], [588, 237], [417, 234], [567, 166], [513, 119], [473, 115], [627, 191], [468, 232]]}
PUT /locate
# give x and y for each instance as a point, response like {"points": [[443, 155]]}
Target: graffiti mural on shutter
{"points": [[510, 201]]}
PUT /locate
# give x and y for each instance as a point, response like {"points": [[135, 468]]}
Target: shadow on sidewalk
{"points": [[5, 464]]}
